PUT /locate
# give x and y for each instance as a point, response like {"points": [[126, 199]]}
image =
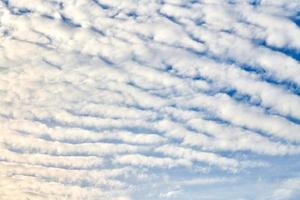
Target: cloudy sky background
{"points": [[149, 99]]}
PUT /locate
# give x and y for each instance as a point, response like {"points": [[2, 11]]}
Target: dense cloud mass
{"points": [[149, 99]]}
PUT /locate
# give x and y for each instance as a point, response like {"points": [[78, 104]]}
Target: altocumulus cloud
{"points": [[149, 99]]}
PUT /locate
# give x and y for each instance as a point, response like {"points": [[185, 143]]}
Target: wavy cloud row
{"points": [[150, 99]]}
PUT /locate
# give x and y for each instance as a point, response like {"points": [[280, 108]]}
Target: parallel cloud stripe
{"points": [[149, 99]]}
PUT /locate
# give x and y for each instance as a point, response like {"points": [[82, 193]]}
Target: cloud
{"points": [[288, 189], [149, 99]]}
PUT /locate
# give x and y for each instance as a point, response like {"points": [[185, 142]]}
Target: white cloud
{"points": [[100, 97], [288, 189]]}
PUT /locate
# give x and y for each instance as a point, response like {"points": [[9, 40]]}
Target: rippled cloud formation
{"points": [[149, 99]]}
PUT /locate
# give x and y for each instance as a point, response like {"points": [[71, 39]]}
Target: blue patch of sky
{"points": [[101, 5], [288, 51], [263, 74], [169, 17], [132, 14], [20, 11], [69, 21], [296, 19]]}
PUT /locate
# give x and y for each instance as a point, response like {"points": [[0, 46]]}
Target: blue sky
{"points": [[150, 99]]}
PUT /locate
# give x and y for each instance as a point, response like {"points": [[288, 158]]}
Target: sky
{"points": [[149, 99]]}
